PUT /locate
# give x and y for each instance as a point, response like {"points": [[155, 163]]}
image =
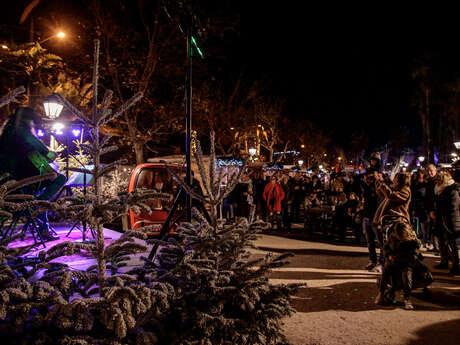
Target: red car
{"points": [[154, 176]]}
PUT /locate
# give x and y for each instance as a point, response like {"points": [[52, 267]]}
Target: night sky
{"points": [[344, 68]]}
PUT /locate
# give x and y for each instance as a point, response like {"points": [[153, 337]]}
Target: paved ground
{"points": [[337, 305]]}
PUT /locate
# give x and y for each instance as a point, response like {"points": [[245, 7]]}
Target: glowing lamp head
{"points": [[52, 107], [4, 46], [61, 34], [421, 159], [457, 145], [300, 162], [40, 133], [252, 151]]}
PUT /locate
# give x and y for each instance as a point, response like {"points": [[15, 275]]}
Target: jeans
{"points": [[372, 233], [425, 230]]}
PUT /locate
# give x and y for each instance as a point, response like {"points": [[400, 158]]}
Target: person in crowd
{"points": [[342, 217], [286, 204], [354, 209], [430, 204], [315, 185], [447, 220], [375, 163], [418, 205], [243, 197], [401, 244], [258, 185], [337, 187], [370, 203], [312, 200], [298, 196], [23, 155], [273, 195]]}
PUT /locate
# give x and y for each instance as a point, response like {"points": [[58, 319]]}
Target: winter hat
{"points": [[376, 156]]}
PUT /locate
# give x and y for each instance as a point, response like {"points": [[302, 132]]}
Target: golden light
{"points": [[232, 128], [259, 125], [4, 46], [340, 158], [60, 34], [302, 146]]}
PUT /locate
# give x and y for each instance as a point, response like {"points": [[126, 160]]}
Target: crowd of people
{"points": [[396, 215]]}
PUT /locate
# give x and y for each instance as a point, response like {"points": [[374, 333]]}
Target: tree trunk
{"points": [[139, 151]]}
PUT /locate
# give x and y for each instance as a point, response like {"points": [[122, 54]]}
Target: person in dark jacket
{"points": [[418, 205], [370, 231], [288, 186], [258, 184], [447, 220], [431, 171], [375, 163]]}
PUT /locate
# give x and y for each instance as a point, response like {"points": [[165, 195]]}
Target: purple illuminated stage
{"points": [[79, 261]]}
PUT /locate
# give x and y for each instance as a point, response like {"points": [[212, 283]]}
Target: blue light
{"points": [[40, 133], [76, 132]]}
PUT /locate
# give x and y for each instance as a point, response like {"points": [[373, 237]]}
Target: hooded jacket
{"points": [[447, 210]]}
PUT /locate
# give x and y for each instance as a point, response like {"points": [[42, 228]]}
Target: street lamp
{"points": [[421, 159], [252, 151], [52, 107], [300, 162], [302, 146], [60, 34]]}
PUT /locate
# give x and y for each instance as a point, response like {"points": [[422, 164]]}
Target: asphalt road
{"points": [[337, 305]]}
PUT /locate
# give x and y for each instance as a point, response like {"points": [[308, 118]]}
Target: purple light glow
{"points": [[40, 133], [76, 132]]}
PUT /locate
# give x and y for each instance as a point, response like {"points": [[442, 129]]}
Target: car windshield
{"points": [[159, 180]]}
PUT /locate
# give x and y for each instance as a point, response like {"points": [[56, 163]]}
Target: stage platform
{"points": [[79, 261]]}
